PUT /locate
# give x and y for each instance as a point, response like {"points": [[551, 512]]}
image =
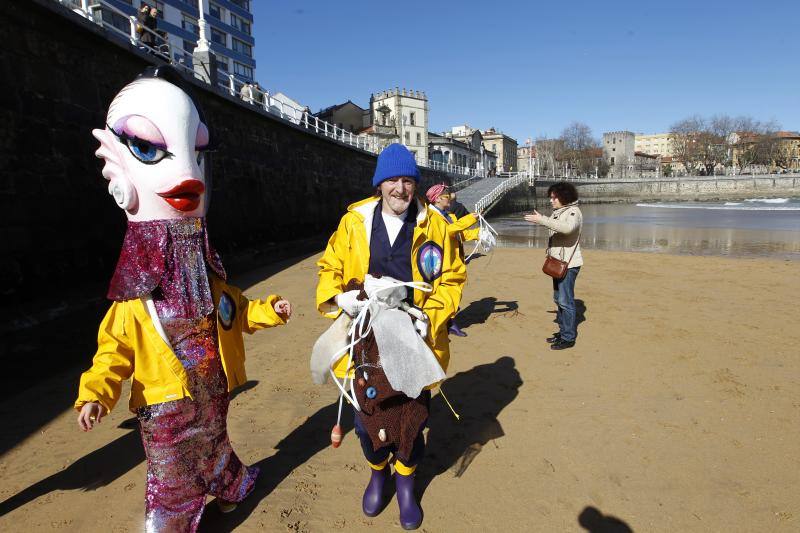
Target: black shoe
{"points": [[556, 337], [562, 345]]}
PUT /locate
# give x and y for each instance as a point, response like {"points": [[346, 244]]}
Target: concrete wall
{"points": [[517, 200], [273, 182], [680, 189]]}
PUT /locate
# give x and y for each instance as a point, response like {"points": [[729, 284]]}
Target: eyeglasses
{"points": [[446, 196]]}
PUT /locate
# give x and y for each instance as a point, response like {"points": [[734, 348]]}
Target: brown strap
{"points": [[577, 243]]}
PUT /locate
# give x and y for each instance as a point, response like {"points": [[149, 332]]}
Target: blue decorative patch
{"points": [[226, 311], [429, 261]]}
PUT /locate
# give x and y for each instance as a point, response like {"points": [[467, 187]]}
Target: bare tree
{"points": [[685, 134], [580, 148], [549, 152], [755, 143], [706, 144], [577, 136]]}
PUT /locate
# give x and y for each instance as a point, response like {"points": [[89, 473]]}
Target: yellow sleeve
{"points": [[462, 226], [259, 314], [443, 304], [112, 364], [331, 270]]}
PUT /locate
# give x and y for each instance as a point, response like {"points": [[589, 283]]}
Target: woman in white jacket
{"points": [[565, 229]]}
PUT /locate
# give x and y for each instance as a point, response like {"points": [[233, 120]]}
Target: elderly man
{"points": [[392, 233]]}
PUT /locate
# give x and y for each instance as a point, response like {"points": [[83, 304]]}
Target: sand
{"points": [[678, 410]]}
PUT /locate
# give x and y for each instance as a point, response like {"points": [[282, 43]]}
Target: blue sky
{"points": [[529, 68]]}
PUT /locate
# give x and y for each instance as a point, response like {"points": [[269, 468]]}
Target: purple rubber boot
{"points": [[372, 503], [455, 330], [410, 513]]}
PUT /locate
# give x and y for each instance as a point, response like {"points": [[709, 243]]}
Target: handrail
{"points": [[509, 183], [233, 85]]}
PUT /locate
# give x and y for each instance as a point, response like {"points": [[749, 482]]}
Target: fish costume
{"points": [[175, 325]]}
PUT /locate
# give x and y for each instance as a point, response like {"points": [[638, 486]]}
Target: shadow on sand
{"points": [[90, 472], [593, 521], [96, 469], [308, 439], [478, 395], [479, 311]]}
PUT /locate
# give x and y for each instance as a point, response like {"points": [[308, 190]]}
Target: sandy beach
{"points": [[677, 410]]}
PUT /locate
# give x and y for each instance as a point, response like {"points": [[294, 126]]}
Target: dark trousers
{"points": [[564, 297], [382, 454]]}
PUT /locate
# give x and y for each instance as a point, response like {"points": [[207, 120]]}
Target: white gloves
{"points": [[421, 325], [349, 302]]}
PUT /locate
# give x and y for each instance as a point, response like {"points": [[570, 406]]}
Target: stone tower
{"points": [[620, 153], [407, 112]]}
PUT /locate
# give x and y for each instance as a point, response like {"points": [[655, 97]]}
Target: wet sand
{"points": [[678, 410]]}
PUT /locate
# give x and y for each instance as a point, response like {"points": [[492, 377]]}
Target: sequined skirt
{"points": [[189, 456]]}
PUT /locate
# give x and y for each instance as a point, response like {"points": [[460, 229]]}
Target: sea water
{"points": [[751, 227]]}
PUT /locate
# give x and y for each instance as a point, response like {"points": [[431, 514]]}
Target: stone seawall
{"points": [[274, 183], [679, 189]]}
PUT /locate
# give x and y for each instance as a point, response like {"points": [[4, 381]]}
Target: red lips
{"points": [[185, 196]]}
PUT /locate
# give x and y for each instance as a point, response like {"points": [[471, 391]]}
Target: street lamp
{"points": [[530, 158], [202, 42]]}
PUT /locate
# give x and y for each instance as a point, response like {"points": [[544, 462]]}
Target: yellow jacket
{"points": [[129, 346], [461, 228], [347, 257]]}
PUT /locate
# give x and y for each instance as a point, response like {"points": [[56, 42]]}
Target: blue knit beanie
{"points": [[395, 160]]}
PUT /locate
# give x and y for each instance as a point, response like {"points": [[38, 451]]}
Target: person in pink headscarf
{"points": [[440, 198]]}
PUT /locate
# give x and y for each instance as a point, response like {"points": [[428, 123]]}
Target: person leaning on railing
{"points": [[146, 20]]}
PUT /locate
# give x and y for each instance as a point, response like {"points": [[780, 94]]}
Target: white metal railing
{"points": [[509, 183], [251, 94], [162, 48]]}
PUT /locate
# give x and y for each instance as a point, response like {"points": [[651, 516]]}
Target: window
{"points": [[612, 160], [215, 11], [222, 64], [408, 138], [219, 37], [242, 70], [189, 24], [240, 24], [116, 20], [160, 7], [419, 135], [244, 4], [413, 119], [242, 47], [188, 46], [494, 148]]}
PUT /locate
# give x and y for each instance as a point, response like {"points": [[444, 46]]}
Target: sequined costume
{"points": [[175, 326], [186, 441], [189, 455]]}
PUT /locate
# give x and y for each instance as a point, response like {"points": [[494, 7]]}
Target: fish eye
{"points": [[145, 151]]}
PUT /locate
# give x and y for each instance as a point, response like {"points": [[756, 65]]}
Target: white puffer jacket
{"points": [[565, 226]]}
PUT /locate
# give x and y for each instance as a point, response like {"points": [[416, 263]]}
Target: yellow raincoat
{"points": [[347, 257], [462, 229], [129, 346]]}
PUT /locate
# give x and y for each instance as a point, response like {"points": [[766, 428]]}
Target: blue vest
{"points": [[387, 259]]}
